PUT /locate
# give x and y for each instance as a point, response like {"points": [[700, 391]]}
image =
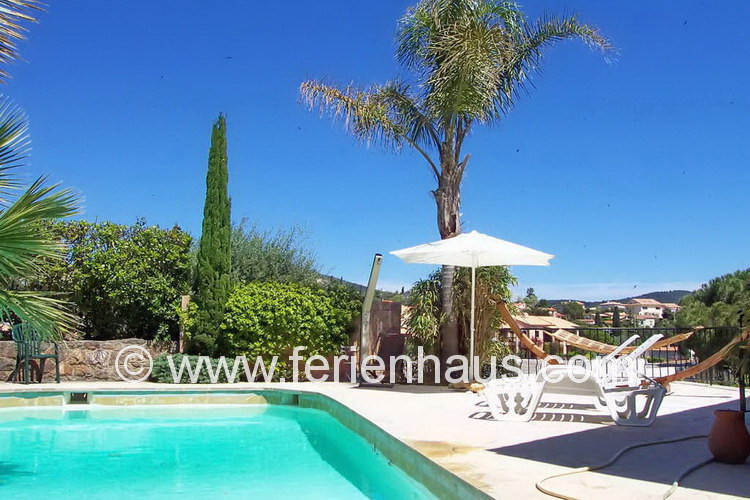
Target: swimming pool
{"points": [[194, 451]]}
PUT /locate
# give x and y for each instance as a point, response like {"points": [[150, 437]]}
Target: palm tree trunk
{"points": [[449, 327], [448, 200]]}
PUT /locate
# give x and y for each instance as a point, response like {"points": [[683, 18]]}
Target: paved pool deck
{"points": [[506, 459]]}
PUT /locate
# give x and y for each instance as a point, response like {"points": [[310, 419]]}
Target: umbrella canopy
{"points": [[473, 250]]}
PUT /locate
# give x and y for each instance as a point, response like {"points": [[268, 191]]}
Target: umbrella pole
{"points": [[471, 323]]}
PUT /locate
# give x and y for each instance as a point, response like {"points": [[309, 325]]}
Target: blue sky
{"points": [[633, 173]]}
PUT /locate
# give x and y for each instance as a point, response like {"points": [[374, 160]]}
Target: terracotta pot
{"points": [[729, 440]]}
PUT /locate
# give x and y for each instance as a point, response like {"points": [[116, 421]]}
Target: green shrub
{"points": [[263, 255], [124, 281], [426, 317], [269, 319], [500, 349]]}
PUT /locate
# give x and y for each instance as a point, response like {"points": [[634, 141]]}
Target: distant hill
{"points": [[360, 288], [669, 296], [381, 294]]}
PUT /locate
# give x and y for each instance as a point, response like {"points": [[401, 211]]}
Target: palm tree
{"points": [[471, 60], [22, 245]]}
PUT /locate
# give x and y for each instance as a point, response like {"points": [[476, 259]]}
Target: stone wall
{"points": [[80, 359]]}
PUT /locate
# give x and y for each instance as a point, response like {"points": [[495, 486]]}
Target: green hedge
{"points": [[268, 319]]}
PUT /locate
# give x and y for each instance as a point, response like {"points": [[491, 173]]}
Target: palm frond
{"points": [[550, 29], [363, 114], [408, 112], [21, 242], [473, 56], [419, 26], [531, 39], [46, 312], [456, 46], [13, 15], [14, 146], [385, 114]]}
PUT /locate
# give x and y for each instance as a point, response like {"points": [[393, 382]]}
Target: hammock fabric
{"points": [[707, 363], [593, 345], [526, 341], [602, 348]]}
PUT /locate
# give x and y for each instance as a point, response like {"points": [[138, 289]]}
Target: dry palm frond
{"points": [[13, 15]]}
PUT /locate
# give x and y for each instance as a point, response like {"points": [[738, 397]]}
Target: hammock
{"points": [[577, 341], [601, 348], [526, 341], [589, 344], [707, 363]]}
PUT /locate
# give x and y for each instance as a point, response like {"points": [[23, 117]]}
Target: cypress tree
{"points": [[212, 274], [616, 317]]}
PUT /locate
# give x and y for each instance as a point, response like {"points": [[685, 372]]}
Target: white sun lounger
{"points": [[629, 399], [517, 399], [623, 370]]}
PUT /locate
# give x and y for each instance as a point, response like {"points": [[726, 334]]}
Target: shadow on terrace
{"points": [[660, 463]]}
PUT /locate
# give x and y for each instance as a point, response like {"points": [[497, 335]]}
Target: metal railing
{"points": [[654, 363]]}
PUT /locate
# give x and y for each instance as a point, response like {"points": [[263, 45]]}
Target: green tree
{"points": [[471, 59], [598, 319], [426, 311], [424, 316], [718, 302], [123, 281], [214, 262], [280, 256], [572, 310], [531, 300], [667, 318], [616, 323]]}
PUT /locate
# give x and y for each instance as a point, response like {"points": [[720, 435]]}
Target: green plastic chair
{"points": [[29, 347]]}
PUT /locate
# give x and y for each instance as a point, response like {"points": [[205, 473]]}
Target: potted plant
{"points": [[729, 440]]}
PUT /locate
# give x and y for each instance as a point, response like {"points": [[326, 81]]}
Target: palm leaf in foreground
{"points": [[14, 147], [13, 15], [46, 312], [22, 244]]}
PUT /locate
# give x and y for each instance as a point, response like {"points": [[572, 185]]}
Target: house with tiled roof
{"points": [[648, 311], [612, 304], [671, 307], [536, 328]]}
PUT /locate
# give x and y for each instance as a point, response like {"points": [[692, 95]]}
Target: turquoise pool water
{"points": [[253, 451]]}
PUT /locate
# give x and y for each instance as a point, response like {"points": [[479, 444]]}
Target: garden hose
{"points": [[615, 457], [686, 473]]}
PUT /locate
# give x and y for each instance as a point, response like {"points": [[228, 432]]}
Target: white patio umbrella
{"points": [[473, 250]]}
